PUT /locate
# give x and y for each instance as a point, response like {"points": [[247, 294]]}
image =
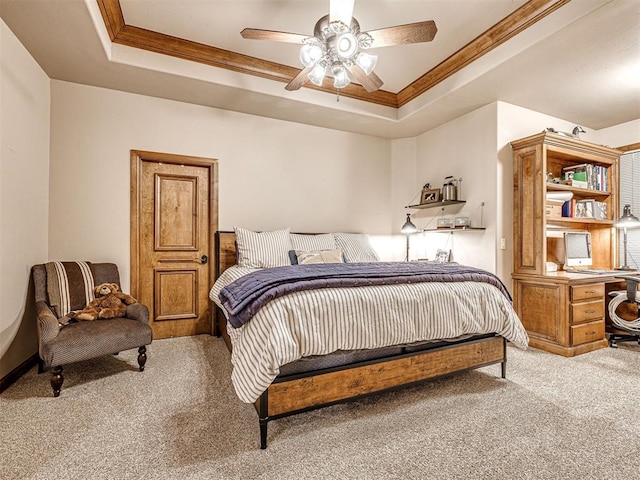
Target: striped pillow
{"points": [[263, 249], [69, 286], [356, 247], [324, 241]]}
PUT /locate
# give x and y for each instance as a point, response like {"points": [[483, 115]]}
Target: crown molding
{"points": [[136, 37]]}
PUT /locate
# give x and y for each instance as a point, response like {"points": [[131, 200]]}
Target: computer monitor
{"points": [[577, 249]]}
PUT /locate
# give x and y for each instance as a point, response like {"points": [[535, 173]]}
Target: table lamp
{"points": [[408, 228], [626, 221]]}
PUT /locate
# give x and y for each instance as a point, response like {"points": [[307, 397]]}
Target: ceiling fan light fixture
{"points": [[335, 48], [310, 54], [317, 74], [346, 45], [340, 76], [366, 62]]}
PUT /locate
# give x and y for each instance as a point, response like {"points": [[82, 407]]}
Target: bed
{"points": [[284, 372]]}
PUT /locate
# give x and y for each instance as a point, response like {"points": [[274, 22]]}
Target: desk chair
{"points": [[630, 328]]}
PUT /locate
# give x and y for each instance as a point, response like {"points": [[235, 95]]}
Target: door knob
{"points": [[204, 259]]}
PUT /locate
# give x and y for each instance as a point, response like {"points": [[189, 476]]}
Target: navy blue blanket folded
{"points": [[244, 297]]}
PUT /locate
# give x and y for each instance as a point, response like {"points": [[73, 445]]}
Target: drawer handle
{"points": [[589, 291], [590, 311], [591, 333]]}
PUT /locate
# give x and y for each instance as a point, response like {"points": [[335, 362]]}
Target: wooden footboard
{"points": [[302, 392]]}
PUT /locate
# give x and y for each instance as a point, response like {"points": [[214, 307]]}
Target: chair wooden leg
{"points": [[56, 380], [142, 357]]}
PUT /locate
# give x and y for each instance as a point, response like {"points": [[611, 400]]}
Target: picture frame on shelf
{"points": [[600, 210], [443, 255], [429, 195], [584, 209]]}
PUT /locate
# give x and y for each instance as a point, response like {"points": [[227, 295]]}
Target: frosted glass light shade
{"points": [[310, 54], [366, 62], [340, 76], [317, 74]]}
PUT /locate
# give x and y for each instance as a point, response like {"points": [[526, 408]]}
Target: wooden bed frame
{"points": [[302, 392]]}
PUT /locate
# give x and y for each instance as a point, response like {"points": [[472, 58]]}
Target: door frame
{"points": [[139, 156]]}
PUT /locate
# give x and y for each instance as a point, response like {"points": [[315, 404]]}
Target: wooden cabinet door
{"points": [[174, 242]]}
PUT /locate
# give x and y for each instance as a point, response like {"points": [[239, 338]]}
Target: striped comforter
{"points": [[322, 321]]}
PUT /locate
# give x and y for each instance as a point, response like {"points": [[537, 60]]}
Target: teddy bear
{"points": [[108, 303]]}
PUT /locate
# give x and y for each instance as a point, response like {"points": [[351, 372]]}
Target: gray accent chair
{"points": [[60, 345]]}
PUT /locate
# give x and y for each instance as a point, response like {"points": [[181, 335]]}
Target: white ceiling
{"points": [[581, 63]]}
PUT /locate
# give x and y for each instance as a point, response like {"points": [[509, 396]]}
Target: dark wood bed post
{"points": [[503, 364], [263, 416]]}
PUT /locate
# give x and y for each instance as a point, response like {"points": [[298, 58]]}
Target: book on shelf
{"points": [[587, 175]]}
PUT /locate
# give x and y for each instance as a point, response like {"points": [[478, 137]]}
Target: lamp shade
{"points": [[408, 226], [627, 220]]}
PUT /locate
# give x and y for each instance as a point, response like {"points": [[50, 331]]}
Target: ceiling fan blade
{"points": [[341, 10], [370, 82], [257, 34], [403, 34], [299, 79], [376, 79]]}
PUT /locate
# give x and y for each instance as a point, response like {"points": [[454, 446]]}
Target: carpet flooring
{"points": [[552, 418]]}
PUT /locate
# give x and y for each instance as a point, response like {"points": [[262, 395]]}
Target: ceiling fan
{"points": [[336, 46]]}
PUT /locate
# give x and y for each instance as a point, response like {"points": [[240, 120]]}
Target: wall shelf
{"points": [[453, 230], [443, 203]]}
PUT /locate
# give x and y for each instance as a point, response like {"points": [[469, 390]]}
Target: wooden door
{"points": [[173, 220]]}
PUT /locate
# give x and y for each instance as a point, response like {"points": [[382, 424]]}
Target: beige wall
{"points": [[620, 135], [463, 148], [272, 173], [24, 184]]}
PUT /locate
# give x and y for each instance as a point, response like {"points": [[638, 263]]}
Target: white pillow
{"points": [[356, 247], [323, 241], [263, 249], [319, 256]]}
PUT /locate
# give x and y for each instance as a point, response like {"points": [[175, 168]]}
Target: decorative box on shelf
{"points": [[463, 222], [445, 222], [553, 209]]}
